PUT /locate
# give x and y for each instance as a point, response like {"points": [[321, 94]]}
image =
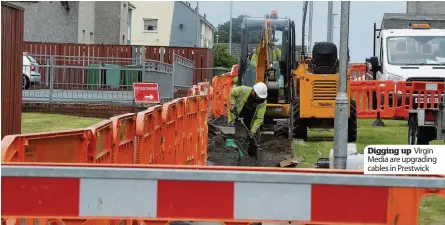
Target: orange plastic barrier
{"points": [[69, 146], [194, 90], [207, 90], [394, 99], [221, 95], [124, 133], [149, 136], [192, 131], [363, 93], [203, 131], [169, 117], [408, 96], [101, 146], [181, 130], [357, 72]]}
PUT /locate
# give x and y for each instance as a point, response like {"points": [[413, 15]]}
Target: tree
{"points": [[224, 31], [223, 58]]}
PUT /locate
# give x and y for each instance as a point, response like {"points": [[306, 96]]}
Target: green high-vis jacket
{"points": [[276, 54], [238, 98], [253, 58], [235, 81]]}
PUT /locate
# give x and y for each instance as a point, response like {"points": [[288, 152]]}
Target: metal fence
{"points": [[182, 68], [50, 78]]}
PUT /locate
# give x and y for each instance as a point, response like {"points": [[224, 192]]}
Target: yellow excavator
{"points": [[274, 73], [303, 92]]}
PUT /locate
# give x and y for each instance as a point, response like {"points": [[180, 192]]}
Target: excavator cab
{"points": [[265, 68]]}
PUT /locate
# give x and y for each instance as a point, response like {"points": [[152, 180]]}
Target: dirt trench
{"points": [[272, 151]]}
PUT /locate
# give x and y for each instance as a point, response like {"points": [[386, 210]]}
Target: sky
{"points": [[363, 15]]}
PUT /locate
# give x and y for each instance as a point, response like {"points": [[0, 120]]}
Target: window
{"points": [[151, 25], [416, 50]]}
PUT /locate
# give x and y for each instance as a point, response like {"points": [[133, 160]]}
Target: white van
{"points": [[412, 54]]}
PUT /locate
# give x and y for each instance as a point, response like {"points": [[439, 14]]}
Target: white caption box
{"points": [[404, 159]]}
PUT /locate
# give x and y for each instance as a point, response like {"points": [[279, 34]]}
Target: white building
{"points": [[169, 23]]}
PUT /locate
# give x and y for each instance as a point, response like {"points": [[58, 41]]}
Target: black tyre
{"points": [[352, 122], [299, 128], [411, 131], [282, 130], [416, 134], [25, 82]]}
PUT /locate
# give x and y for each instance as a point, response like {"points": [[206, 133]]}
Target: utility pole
{"points": [[230, 31], [341, 101], [330, 23], [198, 26], [311, 12]]}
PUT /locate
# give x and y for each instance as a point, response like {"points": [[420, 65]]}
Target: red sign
{"points": [[146, 92]]}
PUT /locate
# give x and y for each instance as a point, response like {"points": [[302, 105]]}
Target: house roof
{"points": [[131, 5], [202, 17]]}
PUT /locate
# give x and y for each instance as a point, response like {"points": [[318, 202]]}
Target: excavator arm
{"points": [[264, 58]]}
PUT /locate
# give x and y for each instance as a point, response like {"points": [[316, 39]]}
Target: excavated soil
{"points": [[271, 152]]}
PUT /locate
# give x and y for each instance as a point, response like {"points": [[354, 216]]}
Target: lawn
{"points": [[432, 208], [39, 122]]}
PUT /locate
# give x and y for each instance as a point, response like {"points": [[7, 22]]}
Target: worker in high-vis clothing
{"points": [[253, 57], [234, 81], [276, 53], [248, 103]]}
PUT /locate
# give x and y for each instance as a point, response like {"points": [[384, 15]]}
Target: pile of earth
{"points": [[271, 152]]}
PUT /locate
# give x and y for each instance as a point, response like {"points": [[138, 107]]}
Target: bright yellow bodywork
{"points": [[317, 93]]}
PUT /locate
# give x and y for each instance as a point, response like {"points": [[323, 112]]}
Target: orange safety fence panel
{"points": [[181, 131], [124, 133], [148, 135], [68, 146], [202, 131], [101, 146], [357, 72], [367, 93], [192, 131], [206, 89], [194, 90], [222, 86], [431, 93], [404, 203], [168, 133]]}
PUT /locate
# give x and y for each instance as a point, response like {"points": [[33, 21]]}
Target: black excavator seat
{"points": [[324, 58]]}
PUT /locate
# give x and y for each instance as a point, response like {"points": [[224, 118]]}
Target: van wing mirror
{"points": [[373, 63]]}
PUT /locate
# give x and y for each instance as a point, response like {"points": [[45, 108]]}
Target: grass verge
{"points": [[40, 122], [432, 208]]}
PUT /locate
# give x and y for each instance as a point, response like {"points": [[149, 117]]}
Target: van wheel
{"points": [[417, 135], [25, 82]]}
